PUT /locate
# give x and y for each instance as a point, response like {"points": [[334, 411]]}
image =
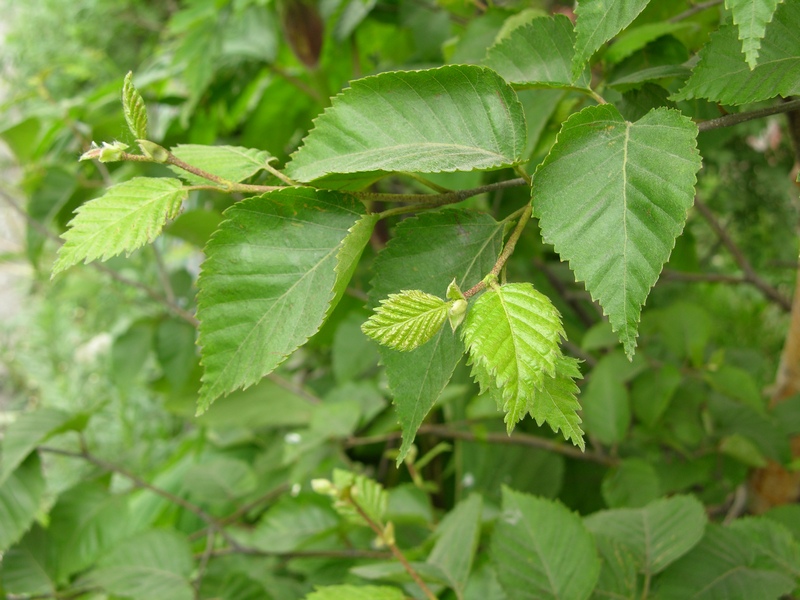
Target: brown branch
{"points": [[742, 117], [750, 275], [300, 553], [515, 439]]}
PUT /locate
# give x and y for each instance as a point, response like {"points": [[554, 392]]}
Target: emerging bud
{"points": [[105, 153], [303, 28], [153, 151]]}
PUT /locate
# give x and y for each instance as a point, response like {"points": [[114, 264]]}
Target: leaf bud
{"points": [[153, 151], [303, 28]]}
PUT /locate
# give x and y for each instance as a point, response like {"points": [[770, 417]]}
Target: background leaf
{"points": [[454, 118], [406, 320], [20, 499], [751, 17], [458, 536], [616, 220], [426, 253], [233, 163], [352, 592], [723, 75], [538, 54], [267, 283], [31, 566], [128, 216], [542, 550], [598, 21]]}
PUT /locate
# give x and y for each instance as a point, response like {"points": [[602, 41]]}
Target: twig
{"points": [[738, 505], [205, 557], [736, 118], [515, 439], [750, 274], [694, 10], [301, 553], [388, 540]]}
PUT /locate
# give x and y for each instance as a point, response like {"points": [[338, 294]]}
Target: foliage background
{"points": [[102, 372]]}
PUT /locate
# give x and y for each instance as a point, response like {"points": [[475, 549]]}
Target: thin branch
{"points": [[515, 439], [301, 553], [694, 10], [439, 199], [736, 118], [388, 540], [750, 274]]}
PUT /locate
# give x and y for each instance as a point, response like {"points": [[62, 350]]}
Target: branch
{"points": [[736, 118], [690, 12], [301, 553], [515, 439], [153, 294], [750, 275]]}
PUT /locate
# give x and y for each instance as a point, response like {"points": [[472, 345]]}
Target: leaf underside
{"points": [[612, 197], [454, 118], [126, 217], [406, 320], [267, 283], [427, 253]]}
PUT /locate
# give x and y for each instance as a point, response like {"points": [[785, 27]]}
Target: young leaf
{"points": [[128, 216], [134, 108], [751, 17], [20, 499], [232, 163], [542, 550], [512, 334], [658, 534], [454, 118], [538, 54], [612, 197], [353, 592], [723, 75], [367, 493], [267, 283], [598, 21], [426, 253], [406, 320]]}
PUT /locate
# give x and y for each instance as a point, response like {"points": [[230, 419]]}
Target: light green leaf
{"points": [[772, 541], [723, 75], [134, 108], [349, 254], [454, 118], [27, 432], [724, 565], [86, 522], [538, 54], [267, 283], [406, 320], [612, 197], [542, 550], [636, 38], [20, 499], [556, 403], [598, 21], [458, 536], [658, 534], [618, 575], [128, 216], [426, 253], [353, 592], [232, 163], [154, 564], [512, 334], [31, 566], [751, 17], [367, 493]]}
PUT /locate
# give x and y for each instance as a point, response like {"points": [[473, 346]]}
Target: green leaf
{"points": [[618, 575], [636, 38], [31, 566], [27, 432], [267, 283], [542, 550], [154, 564], [349, 254], [454, 118], [458, 536], [406, 320], [612, 196], [538, 54], [632, 483], [293, 523], [658, 534], [751, 17], [426, 253], [20, 499], [598, 21], [723, 75], [134, 108], [367, 493], [606, 405], [652, 392], [724, 565], [772, 541], [129, 215], [232, 163], [512, 334], [353, 592], [86, 523], [219, 480]]}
